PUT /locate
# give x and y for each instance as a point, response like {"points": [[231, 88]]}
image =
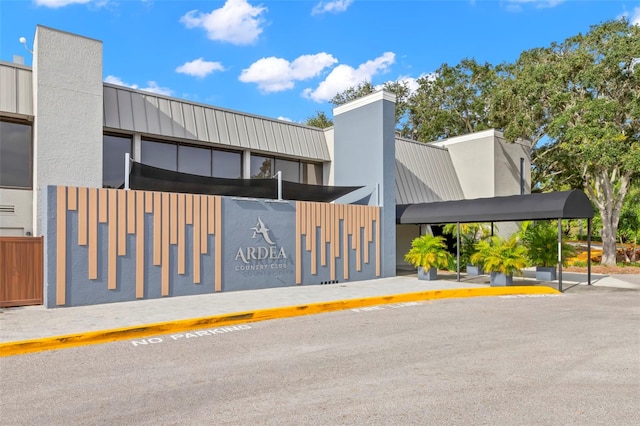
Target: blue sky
{"points": [[285, 59]]}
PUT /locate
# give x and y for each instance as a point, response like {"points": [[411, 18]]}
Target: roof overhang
{"points": [[572, 204]]}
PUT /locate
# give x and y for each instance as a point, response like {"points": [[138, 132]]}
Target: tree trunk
{"points": [[607, 191]]}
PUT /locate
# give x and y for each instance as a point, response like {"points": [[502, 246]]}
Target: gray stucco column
{"points": [[364, 154], [67, 133]]}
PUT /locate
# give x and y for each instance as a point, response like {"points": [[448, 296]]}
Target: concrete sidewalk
{"points": [[36, 322]]}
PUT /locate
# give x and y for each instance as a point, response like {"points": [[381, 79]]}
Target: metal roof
{"points": [[424, 174], [16, 96], [151, 114], [551, 205]]}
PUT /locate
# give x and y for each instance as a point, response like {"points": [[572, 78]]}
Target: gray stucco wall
{"points": [[67, 80], [364, 154], [248, 259]]}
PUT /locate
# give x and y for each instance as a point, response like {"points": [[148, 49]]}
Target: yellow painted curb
{"points": [[125, 333]]}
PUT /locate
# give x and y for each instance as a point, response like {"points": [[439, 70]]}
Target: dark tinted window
{"points": [[193, 160], [227, 164], [15, 155], [261, 167], [160, 154], [312, 173], [113, 150], [290, 169]]}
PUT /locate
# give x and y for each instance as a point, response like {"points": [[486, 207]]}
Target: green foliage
{"points": [[541, 240], [319, 120], [399, 88], [499, 255], [470, 234], [429, 251], [582, 97], [452, 101]]}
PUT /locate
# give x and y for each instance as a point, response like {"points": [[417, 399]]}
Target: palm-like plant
{"points": [[429, 251], [541, 241], [470, 235], [500, 255]]}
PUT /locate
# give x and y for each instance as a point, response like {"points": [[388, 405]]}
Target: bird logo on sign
{"points": [[261, 229]]}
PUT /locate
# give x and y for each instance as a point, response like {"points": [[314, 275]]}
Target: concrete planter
{"points": [[546, 273], [474, 271], [501, 280], [428, 274]]}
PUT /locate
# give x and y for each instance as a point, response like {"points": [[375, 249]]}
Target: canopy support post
{"points": [[589, 251], [560, 255], [279, 176], [458, 249], [127, 169]]}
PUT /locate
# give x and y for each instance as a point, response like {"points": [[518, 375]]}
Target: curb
{"points": [[125, 333]]}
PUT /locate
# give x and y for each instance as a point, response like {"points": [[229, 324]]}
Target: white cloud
{"points": [[199, 68], [277, 74], [335, 6], [344, 76], [281, 118], [152, 86], [237, 22], [516, 5], [633, 17], [54, 4]]}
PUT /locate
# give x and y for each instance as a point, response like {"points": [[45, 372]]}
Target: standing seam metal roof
{"points": [[424, 174], [136, 111]]}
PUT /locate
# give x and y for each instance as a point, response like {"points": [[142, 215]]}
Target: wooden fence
{"points": [[21, 271]]}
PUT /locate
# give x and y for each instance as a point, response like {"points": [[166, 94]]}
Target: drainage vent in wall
{"points": [[7, 209]]}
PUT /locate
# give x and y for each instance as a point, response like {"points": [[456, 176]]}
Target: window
{"points": [[160, 154], [15, 155], [290, 169], [227, 164], [113, 150], [261, 167], [312, 173], [196, 161]]}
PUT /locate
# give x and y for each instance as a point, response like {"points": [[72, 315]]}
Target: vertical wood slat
{"points": [[204, 227], [72, 198], [82, 216], [140, 203], [131, 212], [345, 240], [181, 238], [102, 205], [367, 232], [356, 230], [189, 212], [299, 207], [196, 239], [378, 238], [148, 202], [93, 234], [165, 244], [112, 248], [211, 222], [323, 234], [332, 245], [173, 218], [308, 224], [218, 245], [61, 245], [157, 229], [122, 223], [314, 243]]}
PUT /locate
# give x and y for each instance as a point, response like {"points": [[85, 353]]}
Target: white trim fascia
{"points": [[468, 137], [366, 100]]}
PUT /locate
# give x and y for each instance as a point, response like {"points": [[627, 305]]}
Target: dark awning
{"points": [[150, 178], [552, 205]]}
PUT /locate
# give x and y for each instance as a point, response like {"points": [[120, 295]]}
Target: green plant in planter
{"points": [[541, 241], [501, 256], [428, 251], [470, 235]]}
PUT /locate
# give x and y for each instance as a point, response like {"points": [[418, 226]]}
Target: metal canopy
{"points": [[572, 204], [544, 206]]}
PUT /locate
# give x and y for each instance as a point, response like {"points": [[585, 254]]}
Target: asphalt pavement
{"points": [[112, 321]]}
